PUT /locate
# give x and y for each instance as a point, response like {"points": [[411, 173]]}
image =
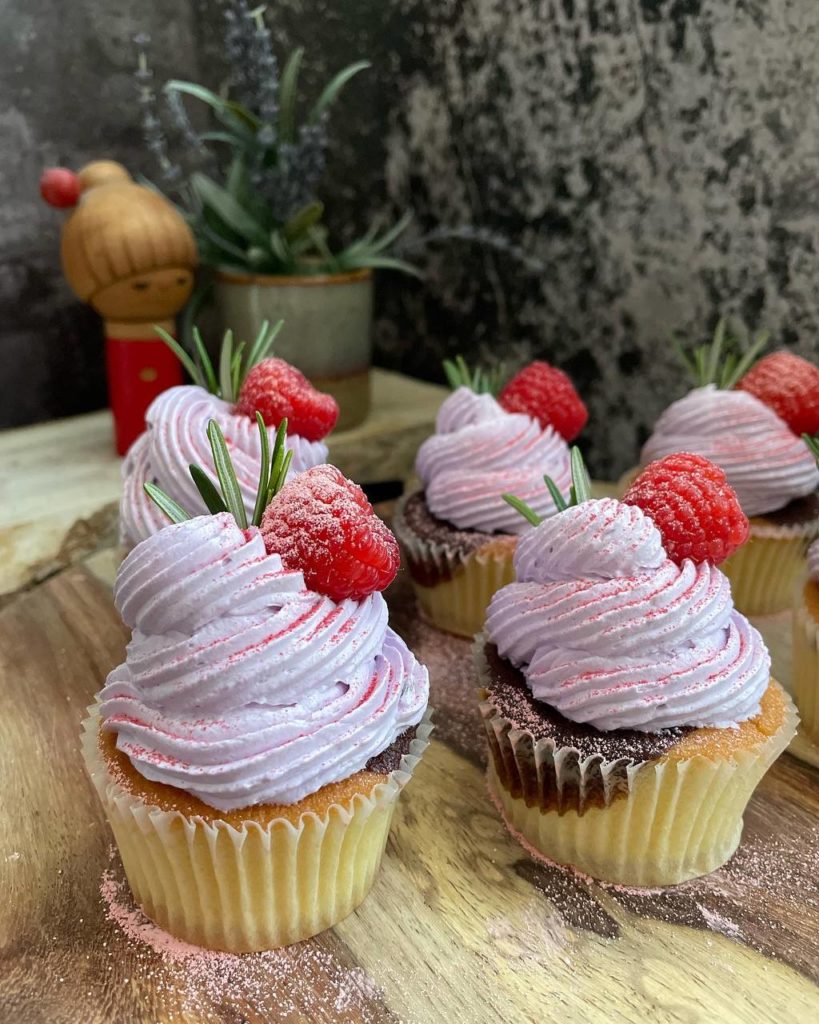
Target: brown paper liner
{"points": [[657, 822], [458, 600], [252, 887]]}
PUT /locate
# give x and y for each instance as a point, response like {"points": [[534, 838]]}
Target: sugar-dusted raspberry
{"points": [[321, 523], [547, 395], [694, 507], [279, 391], [789, 385]]}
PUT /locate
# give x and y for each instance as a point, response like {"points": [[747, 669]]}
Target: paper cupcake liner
{"points": [[768, 566], [805, 674], [658, 822], [457, 601], [253, 887]]}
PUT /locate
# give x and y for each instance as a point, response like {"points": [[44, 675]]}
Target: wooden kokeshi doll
{"points": [[129, 253]]}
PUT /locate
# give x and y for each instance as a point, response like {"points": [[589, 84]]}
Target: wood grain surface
{"points": [[461, 926]]}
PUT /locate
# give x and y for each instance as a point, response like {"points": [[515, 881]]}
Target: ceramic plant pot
{"points": [[327, 327]]}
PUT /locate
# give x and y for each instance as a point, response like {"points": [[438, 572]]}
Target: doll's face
{"points": [[142, 298]]}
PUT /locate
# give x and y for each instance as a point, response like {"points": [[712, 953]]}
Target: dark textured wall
{"points": [[658, 158]]}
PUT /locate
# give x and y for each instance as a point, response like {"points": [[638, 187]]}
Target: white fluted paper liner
{"points": [[253, 887], [649, 823], [805, 679], [765, 570], [457, 602]]}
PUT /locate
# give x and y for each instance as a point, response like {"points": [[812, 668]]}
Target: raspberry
{"points": [[279, 391], [693, 506], [322, 524], [547, 395], [789, 385]]}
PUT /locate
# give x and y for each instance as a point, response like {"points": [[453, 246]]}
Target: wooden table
{"points": [[461, 926]]}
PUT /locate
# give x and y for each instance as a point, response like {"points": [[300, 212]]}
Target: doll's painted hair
{"points": [[120, 229]]}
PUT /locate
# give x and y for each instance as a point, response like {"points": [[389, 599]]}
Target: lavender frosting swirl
{"points": [[609, 631], [765, 462], [479, 452], [240, 686], [176, 436]]}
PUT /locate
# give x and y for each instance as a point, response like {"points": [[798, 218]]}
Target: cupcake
{"points": [[177, 420], [457, 533], [749, 423], [629, 707], [250, 750]]}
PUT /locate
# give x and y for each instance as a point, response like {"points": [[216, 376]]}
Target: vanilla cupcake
{"points": [[457, 533], [750, 426], [629, 707], [250, 751], [176, 430]]}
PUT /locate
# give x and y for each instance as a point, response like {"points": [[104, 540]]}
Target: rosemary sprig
{"points": [[723, 361], [227, 497], [480, 380], [235, 359], [580, 491]]}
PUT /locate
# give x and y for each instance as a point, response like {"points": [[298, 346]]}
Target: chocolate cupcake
{"points": [[629, 707], [458, 534]]}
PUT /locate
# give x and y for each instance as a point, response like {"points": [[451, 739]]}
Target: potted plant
{"points": [[248, 188]]}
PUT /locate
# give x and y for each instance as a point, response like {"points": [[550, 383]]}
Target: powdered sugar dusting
{"points": [[305, 982]]}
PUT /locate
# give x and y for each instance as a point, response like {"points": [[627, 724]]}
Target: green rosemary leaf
{"points": [[206, 487], [264, 473], [467, 377], [813, 445], [264, 342], [452, 375], [236, 370], [554, 491], [226, 475], [699, 361], [165, 504], [684, 357], [728, 368], [528, 513], [183, 356], [747, 359], [282, 476], [275, 478], [225, 362], [204, 361], [580, 477], [715, 351]]}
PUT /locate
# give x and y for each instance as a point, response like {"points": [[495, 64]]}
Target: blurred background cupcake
{"points": [[748, 419], [458, 533]]}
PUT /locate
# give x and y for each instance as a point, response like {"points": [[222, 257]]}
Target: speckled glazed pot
{"points": [[327, 327]]}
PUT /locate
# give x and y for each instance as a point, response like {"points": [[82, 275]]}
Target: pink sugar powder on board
{"points": [[300, 982]]}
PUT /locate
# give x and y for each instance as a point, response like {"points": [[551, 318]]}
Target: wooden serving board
{"points": [[461, 926]]}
